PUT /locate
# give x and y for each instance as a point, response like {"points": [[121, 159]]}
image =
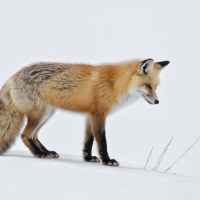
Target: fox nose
{"points": [[156, 101]]}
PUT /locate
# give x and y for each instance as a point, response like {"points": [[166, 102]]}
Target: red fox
{"points": [[37, 90]]}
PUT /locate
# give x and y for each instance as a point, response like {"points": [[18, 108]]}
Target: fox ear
{"points": [[146, 66], [163, 63]]}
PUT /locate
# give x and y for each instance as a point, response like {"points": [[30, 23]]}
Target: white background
{"points": [[112, 31]]}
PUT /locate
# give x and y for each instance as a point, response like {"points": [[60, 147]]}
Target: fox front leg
{"points": [[88, 143], [98, 127]]}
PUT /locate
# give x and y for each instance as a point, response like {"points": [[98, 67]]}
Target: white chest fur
{"points": [[126, 100]]}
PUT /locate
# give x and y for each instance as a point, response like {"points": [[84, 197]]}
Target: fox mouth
{"points": [[145, 97]]}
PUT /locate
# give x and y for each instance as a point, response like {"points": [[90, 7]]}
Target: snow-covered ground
{"points": [[24, 177], [97, 32]]}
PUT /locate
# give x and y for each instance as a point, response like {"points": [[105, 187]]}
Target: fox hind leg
{"points": [[88, 143], [34, 122], [44, 152]]}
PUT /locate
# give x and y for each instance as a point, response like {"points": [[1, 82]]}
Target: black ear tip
{"points": [[167, 62], [163, 63]]}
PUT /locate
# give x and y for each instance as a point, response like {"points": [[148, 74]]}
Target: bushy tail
{"points": [[10, 124]]}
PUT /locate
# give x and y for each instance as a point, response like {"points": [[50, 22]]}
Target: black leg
{"points": [[103, 148], [88, 148], [104, 153], [98, 123], [34, 147], [88, 143], [44, 152]]}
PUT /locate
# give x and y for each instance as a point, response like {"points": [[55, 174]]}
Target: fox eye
{"points": [[148, 86]]}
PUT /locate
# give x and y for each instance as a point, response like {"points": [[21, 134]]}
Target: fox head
{"points": [[148, 79]]}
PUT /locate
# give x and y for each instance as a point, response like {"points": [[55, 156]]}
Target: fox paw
{"points": [[91, 158], [49, 154], [53, 154], [111, 162], [43, 155]]}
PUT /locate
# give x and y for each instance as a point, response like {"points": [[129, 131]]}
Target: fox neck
{"points": [[123, 73], [125, 95], [126, 100]]}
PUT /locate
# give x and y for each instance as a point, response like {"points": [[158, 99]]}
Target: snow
{"points": [[69, 177], [99, 32]]}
